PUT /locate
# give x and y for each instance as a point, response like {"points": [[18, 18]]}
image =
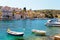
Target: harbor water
{"points": [[26, 25]]}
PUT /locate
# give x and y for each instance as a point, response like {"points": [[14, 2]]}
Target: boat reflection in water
{"points": [[19, 38]]}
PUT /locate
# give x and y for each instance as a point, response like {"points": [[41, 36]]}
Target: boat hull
{"points": [[15, 34], [55, 25]]}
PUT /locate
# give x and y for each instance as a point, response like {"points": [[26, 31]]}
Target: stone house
{"points": [[6, 12]]}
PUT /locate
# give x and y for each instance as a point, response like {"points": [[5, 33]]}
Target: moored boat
{"points": [[39, 32], [15, 33], [56, 37], [53, 22]]}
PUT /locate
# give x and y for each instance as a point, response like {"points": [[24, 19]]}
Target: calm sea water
{"points": [[28, 25]]}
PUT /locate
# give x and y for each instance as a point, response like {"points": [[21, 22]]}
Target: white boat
{"points": [[39, 32], [53, 22], [15, 33]]}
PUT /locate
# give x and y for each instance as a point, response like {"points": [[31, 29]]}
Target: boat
{"points": [[38, 32], [56, 37], [53, 22], [15, 33]]}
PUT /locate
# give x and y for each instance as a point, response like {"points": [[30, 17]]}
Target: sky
{"points": [[32, 4]]}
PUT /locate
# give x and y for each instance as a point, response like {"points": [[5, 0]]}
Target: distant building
{"points": [[17, 14], [6, 12]]}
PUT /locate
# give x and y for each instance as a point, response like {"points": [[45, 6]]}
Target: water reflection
{"points": [[51, 31], [10, 37], [18, 38], [36, 38]]}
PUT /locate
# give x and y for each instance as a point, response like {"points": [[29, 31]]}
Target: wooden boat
{"points": [[39, 32], [57, 37], [15, 33]]}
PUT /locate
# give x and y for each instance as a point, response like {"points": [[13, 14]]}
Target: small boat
{"points": [[39, 32], [57, 37], [15, 33], [53, 22]]}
